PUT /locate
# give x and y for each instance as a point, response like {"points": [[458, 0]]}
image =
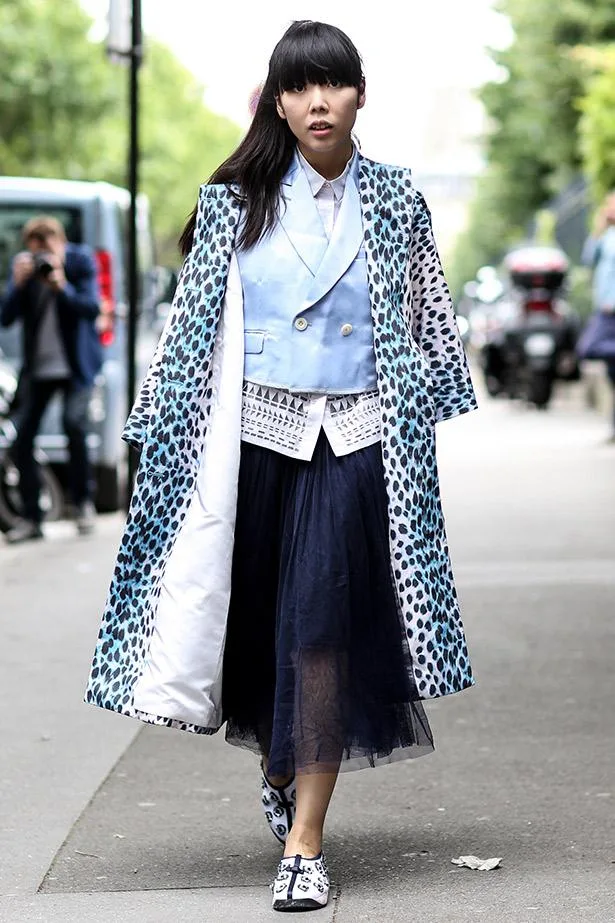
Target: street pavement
{"points": [[102, 820]]}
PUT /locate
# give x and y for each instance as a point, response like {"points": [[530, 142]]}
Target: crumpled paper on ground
{"points": [[473, 862]]}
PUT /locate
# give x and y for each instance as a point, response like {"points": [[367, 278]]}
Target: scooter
{"points": [[534, 346]]}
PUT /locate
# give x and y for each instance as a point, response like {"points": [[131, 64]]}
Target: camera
{"points": [[42, 265]]}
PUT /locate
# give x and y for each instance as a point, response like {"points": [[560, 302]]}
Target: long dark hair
{"points": [[308, 52]]}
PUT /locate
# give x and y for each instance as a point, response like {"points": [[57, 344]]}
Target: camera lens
{"points": [[42, 266]]}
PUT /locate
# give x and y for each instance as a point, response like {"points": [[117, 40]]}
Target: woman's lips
{"points": [[321, 129]]}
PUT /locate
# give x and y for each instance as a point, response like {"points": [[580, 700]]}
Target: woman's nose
{"points": [[318, 99]]}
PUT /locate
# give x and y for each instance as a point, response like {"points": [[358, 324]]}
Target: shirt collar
{"points": [[317, 181]]}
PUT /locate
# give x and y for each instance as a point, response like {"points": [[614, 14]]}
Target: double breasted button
{"points": [[301, 323], [346, 330]]}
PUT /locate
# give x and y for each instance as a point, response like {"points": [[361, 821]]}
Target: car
{"points": [[93, 213]]}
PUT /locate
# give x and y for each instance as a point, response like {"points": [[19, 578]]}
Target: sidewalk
{"points": [[163, 825]]}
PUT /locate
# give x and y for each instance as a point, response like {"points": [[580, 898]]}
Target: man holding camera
{"points": [[54, 292]]}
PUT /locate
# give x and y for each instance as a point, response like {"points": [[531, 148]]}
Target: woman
{"points": [[284, 567], [598, 339]]}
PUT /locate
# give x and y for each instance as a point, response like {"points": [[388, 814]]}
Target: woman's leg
{"points": [[319, 743], [314, 790]]}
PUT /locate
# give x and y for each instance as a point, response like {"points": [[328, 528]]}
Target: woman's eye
{"points": [[333, 83], [299, 88]]}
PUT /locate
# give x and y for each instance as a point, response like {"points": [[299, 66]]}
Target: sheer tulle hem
{"points": [[316, 674], [417, 742]]}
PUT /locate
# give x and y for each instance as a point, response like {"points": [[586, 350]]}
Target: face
{"points": [[321, 117], [51, 244]]}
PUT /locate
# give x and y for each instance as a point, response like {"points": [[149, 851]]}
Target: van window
{"points": [[12, 219]]}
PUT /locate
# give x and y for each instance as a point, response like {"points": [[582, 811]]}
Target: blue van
{"points": [[96, 214]]}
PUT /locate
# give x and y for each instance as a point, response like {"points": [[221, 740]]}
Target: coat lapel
{"points": [[300, 219], [387, 227]]}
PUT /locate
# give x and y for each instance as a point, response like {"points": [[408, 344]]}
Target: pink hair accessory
{"points": [[255, 95]]}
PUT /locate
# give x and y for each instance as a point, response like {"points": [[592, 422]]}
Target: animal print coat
{"points": [[423, 378]]}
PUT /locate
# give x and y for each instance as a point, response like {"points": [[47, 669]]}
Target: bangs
{"points": [[314, 52]]}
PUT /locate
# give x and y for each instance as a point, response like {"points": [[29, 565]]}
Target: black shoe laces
{"points": [[297, 868]]}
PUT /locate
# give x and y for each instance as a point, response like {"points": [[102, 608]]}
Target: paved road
{"points": [[104, 821]]}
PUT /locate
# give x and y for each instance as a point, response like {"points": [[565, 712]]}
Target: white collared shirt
{"points": [[328, 194], [291, 423]]}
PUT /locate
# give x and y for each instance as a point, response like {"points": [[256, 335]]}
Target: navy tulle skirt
{"points": [[314, 673]]}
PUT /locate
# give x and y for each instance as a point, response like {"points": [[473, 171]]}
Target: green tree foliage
{"points": [[63, 113], [597, 124], [532, 148], [55, 86]]}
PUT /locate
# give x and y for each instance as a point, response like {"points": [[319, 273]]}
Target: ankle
{"points": [[304, 842]]}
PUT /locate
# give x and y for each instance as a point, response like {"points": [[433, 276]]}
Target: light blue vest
{"points": [[307, 314]]}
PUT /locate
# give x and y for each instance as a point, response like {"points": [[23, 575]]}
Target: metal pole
{"points": [[133, 186]]}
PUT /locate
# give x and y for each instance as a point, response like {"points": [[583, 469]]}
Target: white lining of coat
{"points": [[182, 677]]}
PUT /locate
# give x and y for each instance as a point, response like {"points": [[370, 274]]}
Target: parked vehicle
{"points": [[479, 305], [531, 344], [95, 214], [52, 497]]}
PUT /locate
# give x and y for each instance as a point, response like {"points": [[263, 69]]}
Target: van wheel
{"points": [[108, 494]]}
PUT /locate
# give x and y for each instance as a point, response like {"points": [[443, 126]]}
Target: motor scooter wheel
{"points": [[51, 495], [493, 386], [540, 389]]}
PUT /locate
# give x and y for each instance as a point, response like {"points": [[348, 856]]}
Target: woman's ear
{"points": [[361, 100], [279, 107]]}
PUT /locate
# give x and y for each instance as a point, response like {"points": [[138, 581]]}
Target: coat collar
{"points": [[387, 198]]}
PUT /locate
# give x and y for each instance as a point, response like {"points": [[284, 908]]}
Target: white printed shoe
{"points": [[279, 805], [301, 884]]}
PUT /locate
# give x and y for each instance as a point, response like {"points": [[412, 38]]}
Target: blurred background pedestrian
{"points": [[53, 292], [598, 339]]}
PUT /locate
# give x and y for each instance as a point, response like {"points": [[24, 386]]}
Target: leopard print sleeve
{"points": [[136, 426], [135, 430], [433, 324]]}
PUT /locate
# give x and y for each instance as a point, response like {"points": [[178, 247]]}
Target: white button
{"points": [[301, 323], [346, 330]]}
